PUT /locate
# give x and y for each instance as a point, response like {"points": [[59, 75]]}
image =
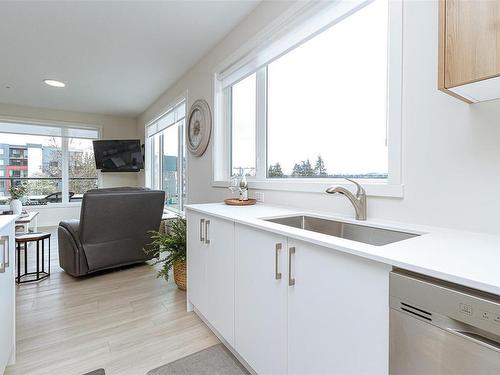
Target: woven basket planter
{"points": [[180, 275]]}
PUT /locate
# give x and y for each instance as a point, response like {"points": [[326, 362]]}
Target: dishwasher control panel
{"points": [[489, 316], [427, 299]]}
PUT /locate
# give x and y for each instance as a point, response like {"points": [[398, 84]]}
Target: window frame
{"points": [[64, 126], [181, 163], [313, 18]]}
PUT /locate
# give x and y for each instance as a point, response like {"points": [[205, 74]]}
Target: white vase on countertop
{"points": [[16, 206]]}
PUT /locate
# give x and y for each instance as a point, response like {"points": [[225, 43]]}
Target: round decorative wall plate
{"points": [[199, 127]]}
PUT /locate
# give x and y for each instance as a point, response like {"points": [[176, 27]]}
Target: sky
{"points": [[327, 97]]}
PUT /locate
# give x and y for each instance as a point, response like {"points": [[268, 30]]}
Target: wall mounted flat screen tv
{"points": [[118, 155]]}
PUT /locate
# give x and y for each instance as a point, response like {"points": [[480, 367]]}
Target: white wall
{"points": [[112, 128], [451, 152], [198, 83]]}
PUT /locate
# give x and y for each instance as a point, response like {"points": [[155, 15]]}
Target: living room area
{"points": [[94, 178], [87, 294]]}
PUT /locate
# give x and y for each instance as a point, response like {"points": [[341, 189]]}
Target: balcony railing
{"points": [[42, 190]]}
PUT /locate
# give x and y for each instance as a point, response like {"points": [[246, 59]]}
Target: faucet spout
{"points": [[357, 200]]}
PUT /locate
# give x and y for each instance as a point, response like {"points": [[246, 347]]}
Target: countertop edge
{"points": [[366, 253]]}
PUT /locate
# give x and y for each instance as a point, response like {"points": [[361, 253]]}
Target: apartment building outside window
{"points": [[47, 159]]}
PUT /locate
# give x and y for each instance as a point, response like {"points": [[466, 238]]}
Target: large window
{"points": [[321, 108], [82, 171], [243, 111], [327, 102], [55, 163], [165, 156]]}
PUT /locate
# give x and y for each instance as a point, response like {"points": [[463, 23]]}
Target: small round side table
{"points": [[25, 239]]}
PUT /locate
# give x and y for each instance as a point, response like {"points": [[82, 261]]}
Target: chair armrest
{"points": [[72, 227]]}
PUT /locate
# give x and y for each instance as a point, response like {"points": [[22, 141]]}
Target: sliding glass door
{"points": [[166, 157]]}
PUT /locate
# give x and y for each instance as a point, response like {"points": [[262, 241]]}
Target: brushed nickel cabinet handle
{"points": [[202, 221], [291, 280], [277, 274], [207, 226], [6, 250], [3, 261]]}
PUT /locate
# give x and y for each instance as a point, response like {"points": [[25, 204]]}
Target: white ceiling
{"points": [[116, 57]]}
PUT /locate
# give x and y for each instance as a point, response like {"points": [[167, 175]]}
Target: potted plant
{"points": [[16, 193], [169, 247]]}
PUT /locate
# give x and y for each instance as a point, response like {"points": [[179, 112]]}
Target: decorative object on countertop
{"points": [[234, 184], [237, 202], [244, 188], [199, 127], [17, 192], [239, 184], [172, 242]]}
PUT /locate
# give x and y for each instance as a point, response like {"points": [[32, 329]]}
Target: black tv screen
{"points": [[118, 155]]}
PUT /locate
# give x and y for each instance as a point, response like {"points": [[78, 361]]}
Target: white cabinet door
{"points": [[197, 261], [220, 276], [338, 313], [211, 270], [260, 300], [7, 301]]}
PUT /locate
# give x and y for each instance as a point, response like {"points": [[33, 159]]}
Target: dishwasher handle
{"points": [[476, 338]]}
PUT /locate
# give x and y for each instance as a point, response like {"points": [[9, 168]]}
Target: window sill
{"points": [[44, 207], [169, 213], [373, 188]]}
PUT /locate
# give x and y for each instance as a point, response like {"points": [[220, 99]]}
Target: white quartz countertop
{"points": [[466, 258], [5, 220]]}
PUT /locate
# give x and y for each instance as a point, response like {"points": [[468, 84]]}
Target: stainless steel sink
{"points": [[354, 232]]}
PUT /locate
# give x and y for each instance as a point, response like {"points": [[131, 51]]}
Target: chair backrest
{"points": [[114, 224]]}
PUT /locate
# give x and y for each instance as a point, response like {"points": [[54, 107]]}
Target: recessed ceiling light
{"points": [[54, 83]]}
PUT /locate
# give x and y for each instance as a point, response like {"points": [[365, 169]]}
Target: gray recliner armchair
{"points": [[112, 230]]}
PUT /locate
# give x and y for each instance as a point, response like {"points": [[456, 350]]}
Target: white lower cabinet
{"points": [[288, 306], [220, 277], [211, 270], [260, 299], [7, 297], [338, 313], [196, 261]]}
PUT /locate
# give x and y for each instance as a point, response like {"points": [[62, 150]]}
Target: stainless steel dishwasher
{"points": [[441, 328]]}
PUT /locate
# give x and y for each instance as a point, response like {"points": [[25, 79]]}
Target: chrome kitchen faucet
{"points": [[358, 201]]}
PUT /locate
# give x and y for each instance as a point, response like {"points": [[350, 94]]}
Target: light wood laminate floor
{"points": [[126, 321]]}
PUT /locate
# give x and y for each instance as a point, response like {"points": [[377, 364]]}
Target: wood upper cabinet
{"points": [[469, 49]]}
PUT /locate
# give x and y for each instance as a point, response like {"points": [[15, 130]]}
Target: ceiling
{"points": [[116, 57]]}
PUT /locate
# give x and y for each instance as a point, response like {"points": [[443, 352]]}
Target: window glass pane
{"points": [[33, 160], [168, 156], [82, 169], [183, 185], [243, 115], [170, 182], [327, 102], [156, 161]]}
